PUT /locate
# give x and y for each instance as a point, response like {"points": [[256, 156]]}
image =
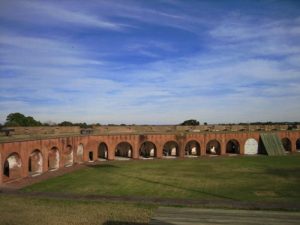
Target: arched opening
{"points": [[213, 147], [170, 149], [102, 151], [192, 148], [53, 159], [91, 156], [251, 147], [79, 153], [287, 144], [12, 167], [6, 169], [68, 156], [148, 150], [233, 147], [123, 151], [35, 163], [298, 144]]}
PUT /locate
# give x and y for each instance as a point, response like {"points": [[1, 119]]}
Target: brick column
{"points": [[223, 146], [110, 152]]}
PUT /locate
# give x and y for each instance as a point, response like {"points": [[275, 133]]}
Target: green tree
{"points": [[18, 119], [65, 123], [190, 122]]}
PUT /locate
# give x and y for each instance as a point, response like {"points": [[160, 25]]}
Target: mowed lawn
{"points": [[33, 211], [247, 178]]}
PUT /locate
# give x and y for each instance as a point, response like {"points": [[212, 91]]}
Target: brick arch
{"points": [[35, 162], [12, 166], [124, 149], [168, 148], [213, 147], [68, 155], [147, 149], [287, 144], [233, 146], [54, 158], [192, 147], [157, 141], [102, 150]]}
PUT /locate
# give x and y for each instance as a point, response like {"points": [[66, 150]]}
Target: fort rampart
{"points": [[22, 158]]}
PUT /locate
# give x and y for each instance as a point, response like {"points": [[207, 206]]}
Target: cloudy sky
{"points": [[150, 62]]}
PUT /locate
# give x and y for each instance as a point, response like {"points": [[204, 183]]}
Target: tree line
{"points": [[18, 119]]}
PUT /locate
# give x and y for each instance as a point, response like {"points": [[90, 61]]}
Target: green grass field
{"points": [[252, 179], [32, 211], [258, 178]]}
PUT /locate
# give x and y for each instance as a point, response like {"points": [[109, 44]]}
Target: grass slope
{"points": [[258, 178]]}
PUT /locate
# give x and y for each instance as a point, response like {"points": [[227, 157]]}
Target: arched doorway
{"points": [[213, 147], [68, 156], [53, 159], [192, 148], [91, 156], [102, 151], [251, 147], [35, 163], [79, 153], [233, 147], [298, 144], [287, 144], [12, 167], [170, 149], [123, 151], [148, 150]]}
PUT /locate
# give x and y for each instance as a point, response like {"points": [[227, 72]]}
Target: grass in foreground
{"points": [[259, 178], [27, 211]]}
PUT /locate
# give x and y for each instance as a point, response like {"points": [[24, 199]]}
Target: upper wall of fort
{"points": [[32, 133]]}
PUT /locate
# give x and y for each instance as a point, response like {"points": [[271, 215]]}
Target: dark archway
{"points": [[91, 156], [148, 150], [213, 147], [12, 167], [53, 159], [171, 149], [298, 144], [68, 156], [6, 169], [102, 151], [123, 150], [233, 147], [192, 148], [35, 163], [287, 144]]}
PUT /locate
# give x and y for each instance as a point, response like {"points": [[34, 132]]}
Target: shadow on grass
{"points": [[122, 222], [290, 173], [178, 187], [103, 166]]}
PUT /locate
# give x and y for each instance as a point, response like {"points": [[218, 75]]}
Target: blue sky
{"points": [[150, 62]]}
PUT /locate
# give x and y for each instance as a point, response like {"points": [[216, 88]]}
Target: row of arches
{"points": [[170, 149], [13, 163], [56, 158]]}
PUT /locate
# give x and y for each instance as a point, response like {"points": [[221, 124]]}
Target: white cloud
{"points": [[47, 13]]}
